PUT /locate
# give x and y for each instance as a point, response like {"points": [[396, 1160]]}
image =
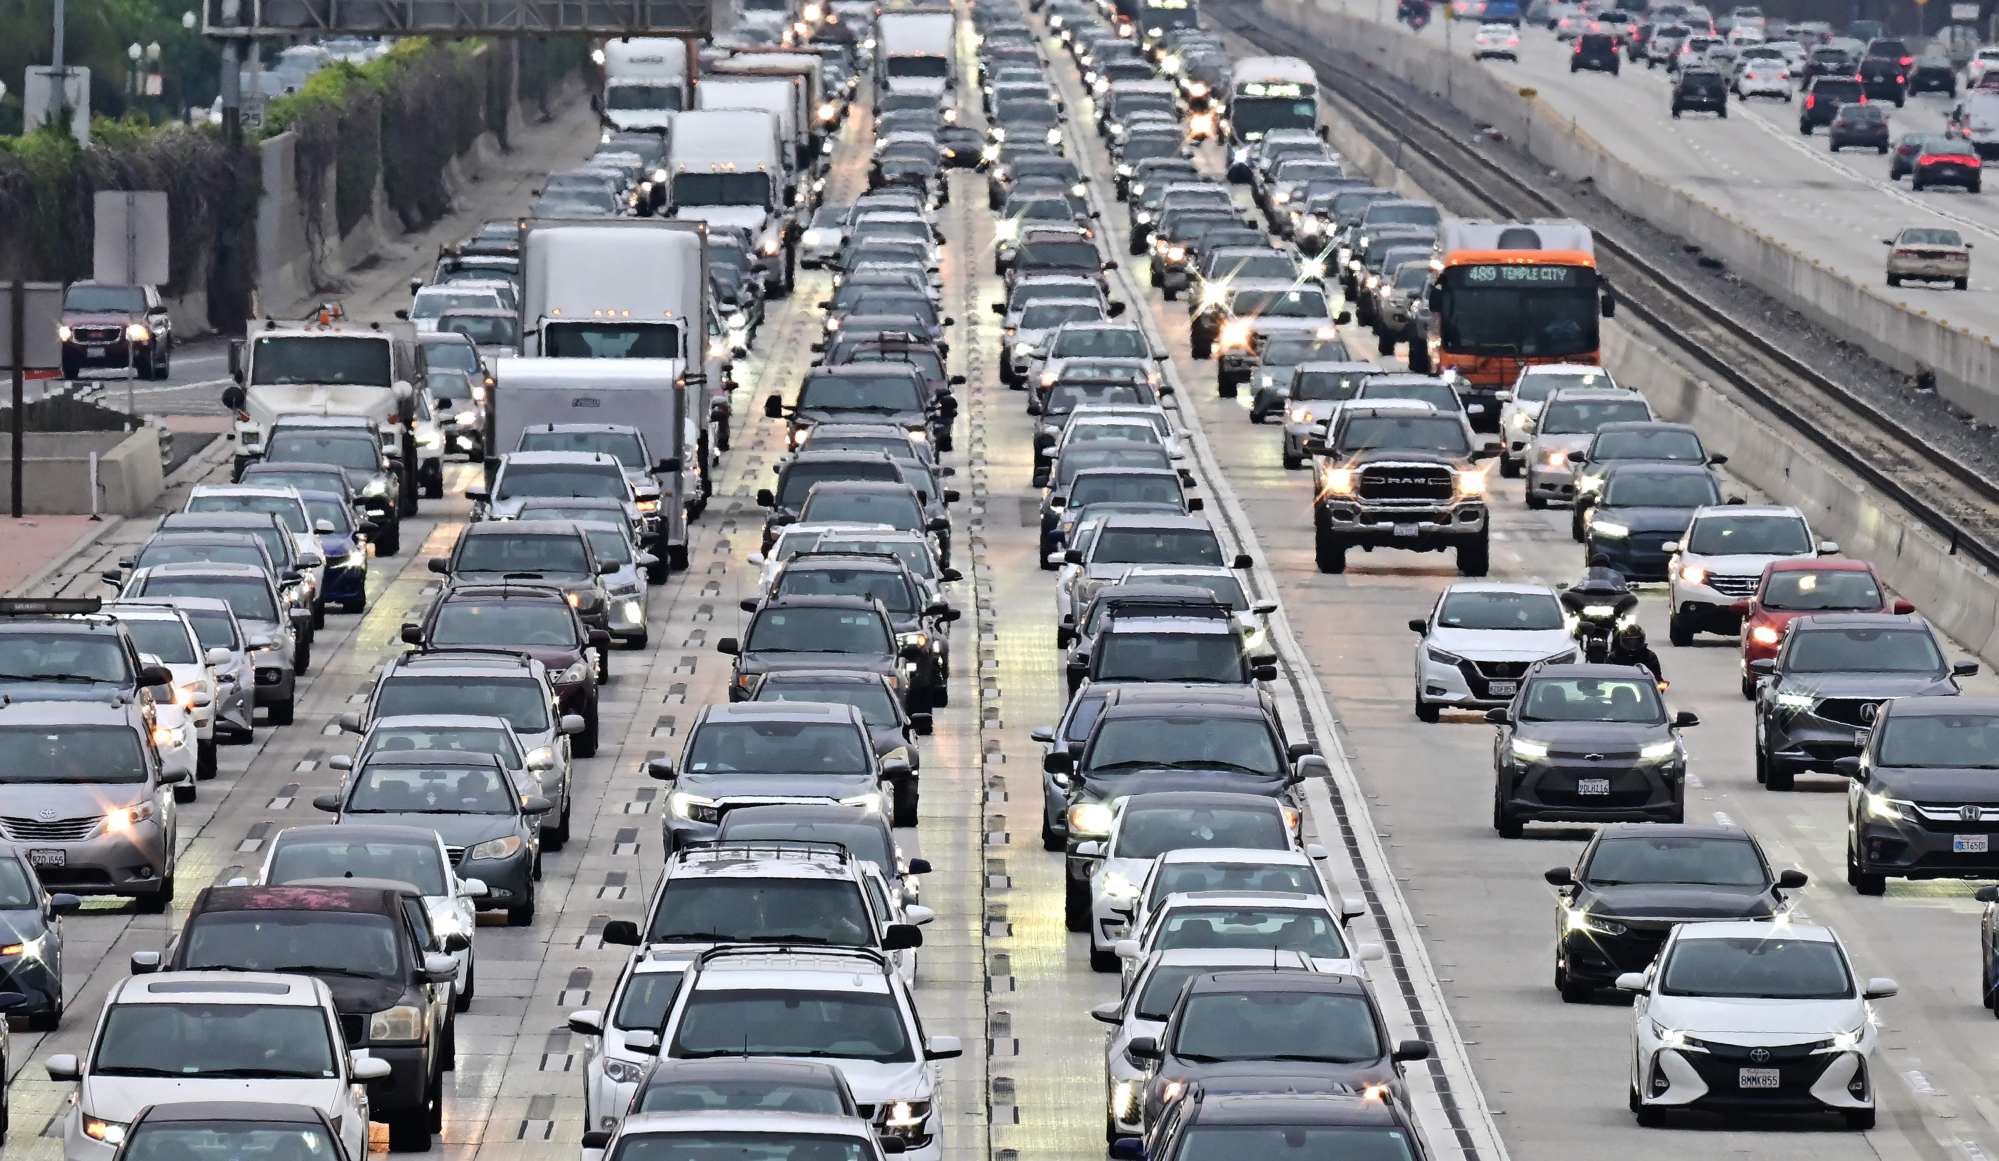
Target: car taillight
{"points": [[1811, 100], [1898, 78], [1906, 62], [1579, 48]]}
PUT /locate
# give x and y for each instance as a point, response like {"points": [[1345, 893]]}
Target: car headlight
{"points": [[138, 332], [1766, 635], [1659, 751], [1300, 415], [1610, 529], [466, 419], [693, 806], [1471, 483], [1054, 136], [1078, 190], [1589, 483], [622, 1071], [1440, 656], [1520, 420], [376, 486], [124, 818], [169, 737], [1117, 885], [1675, 1039], [1892, 809], [1573, 920], [1176, 253], [578, 670], [904, 1118], [1556, 459], [920, 640], [499, 848], [647, 504], [1090, 819], [1315, 268], [1529, 751], [1235, 333], [99, 1129], [402, 1022], [1339, 481], [1693, 574], [1847, 1041], [63, 332], [1123, 170], [870, 802], [1796, 701]]}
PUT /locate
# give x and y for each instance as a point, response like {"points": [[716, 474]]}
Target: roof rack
{"points": [[48, 606], [716, 849], [736, 950], [1167, 606], [472, 652]]}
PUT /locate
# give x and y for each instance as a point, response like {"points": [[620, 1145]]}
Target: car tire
{"points": [[1881, 149], [204, 760], [283, 712], [1860, 1120], [1776, 775], [1507, 826], [1509, 469], [355, 604], [1535, 502], [1329, 552], [1748, 687], [1075, 904], [463, 1000], [905, 813], [1961, 283], [409, 1130], [1676, 112], [558, 835], [1103, 960], [586, 742], [389, 541], [1722, 112], [1291, 462], [522, 915], [1572, 991], [638, 641], [319, 614], [1226, 388], [1832, 147], [1200, 347], [1475, 557], [1168, 293], [1576, 524], [1051, 839], [1679, 631], [1804, 129], [1425, 712], [302, 659], [157, 902]]}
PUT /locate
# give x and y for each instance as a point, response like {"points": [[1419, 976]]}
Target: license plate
{"points": [[1756, 1077], [1592, 786], [93, 350], [1475, 408], [1971, 844], [1405, 530], [48, 858], [1503, 688]]}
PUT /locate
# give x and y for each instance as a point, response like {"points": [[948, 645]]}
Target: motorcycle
{"points": [[1597, 619], [1414, 13]]}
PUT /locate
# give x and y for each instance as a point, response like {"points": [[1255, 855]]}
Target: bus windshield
{"points": [[1537, 311], [1255, 116]]}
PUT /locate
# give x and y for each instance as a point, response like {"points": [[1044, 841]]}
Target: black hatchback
{"points": [[1595, 50], [1865, 126], [1702, 90]]}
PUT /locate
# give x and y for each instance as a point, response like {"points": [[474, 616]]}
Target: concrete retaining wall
{"points": [[56, 473], [1966, 364], [1961, 598]]}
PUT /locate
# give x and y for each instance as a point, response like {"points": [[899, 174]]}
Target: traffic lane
{"points": [[1757, 168]]}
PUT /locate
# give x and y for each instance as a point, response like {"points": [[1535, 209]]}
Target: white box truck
{"points": [[781, 97], [914, 53], [621, 289], [728, 167], [805, 67], [638, 410], [645, 82]]}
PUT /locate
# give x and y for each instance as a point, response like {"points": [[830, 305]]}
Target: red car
{"points": [[1799, 587]]}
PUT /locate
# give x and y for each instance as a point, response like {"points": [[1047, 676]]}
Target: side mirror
{"points": [[1763, 666], [1499, 715], [1631, 982], [1059, 761], [999, 308], [1686, 718], [901, 937], [571, 724], [1143, 1048], [1410, 1050], [950, 574], [145, 963], [1880, 988], [766, 498], [1828, 548], [1195, 504], [232, 397], [1609, 307], [1263, 673], [895, 768], [729, 647], [943, 1048], [1092, 849], [474, 888], [1964, 669], [921, 724], [1670, 547], [1987, 894], [329, 803], [366, 1068], [937, 524], [439, 969], [1794, 879], [63, 903], [1241, 561], [600, 638], [63, 1066], [1904, 606], [643, 1042], [341, 762], [1311, 766], [1717, 459], [774, 407], [1072, 556], [155, 675], [438, 565], [661, 769], [536, 804], [1559, 876], [412, 634], [1042, 734], [1847, 767], [1111, 1013], [599, 1138], [1418, 625], [621, 932], [350, 723]]}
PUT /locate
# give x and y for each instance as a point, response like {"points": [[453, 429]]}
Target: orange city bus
{"points": [[1510, 294]]}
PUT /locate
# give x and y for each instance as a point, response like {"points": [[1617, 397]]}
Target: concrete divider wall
{"points": [[55, 473], [1965, 364], [1953, 592]]}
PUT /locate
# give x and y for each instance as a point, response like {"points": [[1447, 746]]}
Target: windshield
{"points": [[722, 189], [184, 1140], [1194, 741], [1170, 657], [330, 359], [166, 640], [1541, 322], [1660, 490], [170, 553], [1276, 1025], [761, 1094], [220, 1040], [334, 512], [71, 754], [1502, 610], [1535, 387], [871, 698], [559, 554], [1963, 741], [1279, 304], [335, 856], [307, 942], [629, 95], [1579, 416], [716, 1145], [800, 475], [1070, 395], [914, 553], [919, 66], [1054, 255], [883, 393], [1711, 861], [1044, 315], [892, 589], [597, 480], [504, 624], [1294, 1143], [288, 509], [1863, 651], [1222, 585], [1820, 590], [249, 598], [646, 998], [522, 702], [1122, 489], [486, 330], [16, 892], [842, 506], [1147, 834], [853, 1025], [1251, 117], [215, 628], [622, 445], [1308, 931], [1157, 546], [1683, 446], [110, 299], [705, 909], [1764, 967], [1243, 878], [1442, 434], [821, 630], [1100, 342], [1441, 396], [380, 788], [431, 302], [581, 340], [779, 747], [1724, 535], [1328, 386], [1593, 699]]}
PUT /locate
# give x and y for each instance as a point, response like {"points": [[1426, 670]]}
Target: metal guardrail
{"points": [[1386, 108]]}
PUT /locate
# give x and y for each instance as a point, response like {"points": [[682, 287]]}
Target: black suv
{"points": [[884, 578], [849, 633], [373, 946], [1884, 69], [1587, 743], [1927, 805], [1702, 90], [1595, 50], [1858, 126], [1823, 97], [1825, 688], [554, 553]]}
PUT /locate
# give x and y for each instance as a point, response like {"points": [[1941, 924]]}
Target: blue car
{"points": [[31, 942], [345, 546]]}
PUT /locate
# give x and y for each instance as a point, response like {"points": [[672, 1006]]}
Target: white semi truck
{"points": [[645, 82], [729, 167], [914, 53]]}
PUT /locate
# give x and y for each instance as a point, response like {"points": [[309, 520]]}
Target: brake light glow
{"points": [[1811, 100], [1906, 62]]}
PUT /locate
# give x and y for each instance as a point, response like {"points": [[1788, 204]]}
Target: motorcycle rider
{"points": [[1629, 648]]}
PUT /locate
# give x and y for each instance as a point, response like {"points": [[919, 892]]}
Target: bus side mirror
{"points": [[1609, 305]]}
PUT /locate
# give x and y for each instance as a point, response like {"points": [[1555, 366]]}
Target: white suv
{"points": [[846, 1006], [1523, 405], [1566, 425], [1718, 562], [624, 1037], [1479, 641], [212, 1036]]}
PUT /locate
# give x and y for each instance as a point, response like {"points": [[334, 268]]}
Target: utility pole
{"points": [[58, 101], [232, 78], [17, 320]]}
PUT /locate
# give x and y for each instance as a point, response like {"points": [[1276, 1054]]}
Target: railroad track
{"points": [[1952, 498]]}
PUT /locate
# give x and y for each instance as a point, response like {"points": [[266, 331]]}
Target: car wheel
{"points": [[522, 915], [558, 835], [1168, 293], [1329, 552], [1722, 112], [1051, 839], [1676, 112], [157, 902], [1648, 1116], [1748, 687], [389, 541], [356, 604], [204, 760], [1535, 502], [1804, 129], [1292, 463], [283, 712], [1960, 283], [1224, 387], [1425, 712], [1475, 557], [1505, 824], [409, 1130], [50, 1020], [463, 1001], [1576, 524], [1200, 346], [586, 742], [1860, 1120], [1679, 630], [1103, 960], [1075, 904], [1776, 775], [1863, 882], [1573, 991], [1509, 468]]}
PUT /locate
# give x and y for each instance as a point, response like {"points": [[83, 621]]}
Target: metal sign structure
{"points": [[130, 245], [249, 19]]}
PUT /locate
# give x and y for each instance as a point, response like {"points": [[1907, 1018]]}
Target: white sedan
{"points": [[1753, 1016], [1496, 42]]}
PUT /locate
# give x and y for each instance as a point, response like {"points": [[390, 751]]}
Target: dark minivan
{"points": [[1702, 90], [1823, 97]]}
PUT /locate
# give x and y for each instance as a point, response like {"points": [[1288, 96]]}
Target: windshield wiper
{"points": [[136, 1070], [1219, 764], [306, 969], [70, 678]]}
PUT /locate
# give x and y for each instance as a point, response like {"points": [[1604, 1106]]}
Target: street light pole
{"points": [[185, 95]]}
